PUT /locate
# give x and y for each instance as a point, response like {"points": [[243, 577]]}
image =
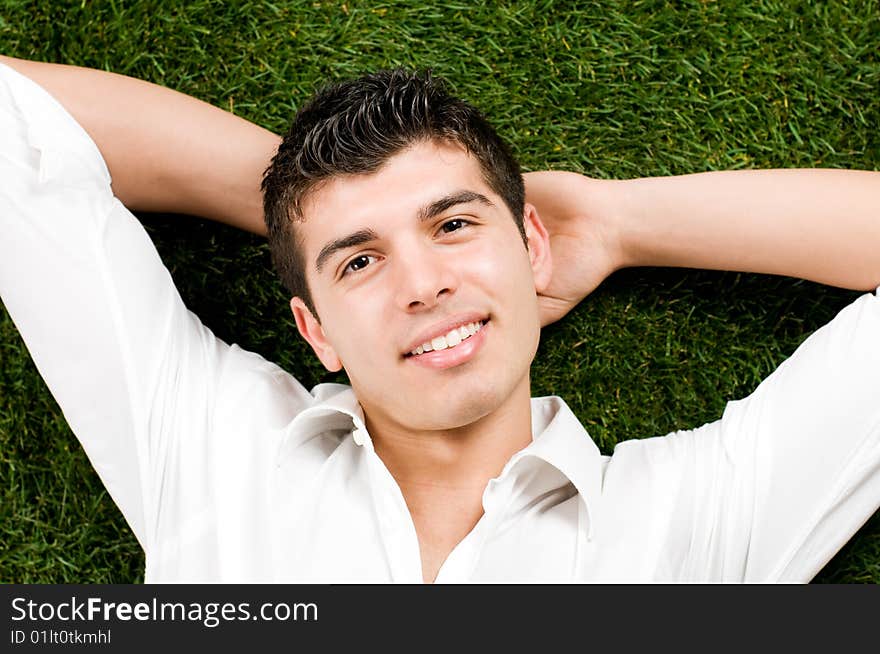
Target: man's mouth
{"points": [[449, 340]]}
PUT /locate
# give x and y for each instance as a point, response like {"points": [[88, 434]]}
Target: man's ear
{"points": [[539, 247], [311, 330]]}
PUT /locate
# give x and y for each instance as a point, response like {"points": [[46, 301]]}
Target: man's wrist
{"points": [[641, 209], [615, 219]]}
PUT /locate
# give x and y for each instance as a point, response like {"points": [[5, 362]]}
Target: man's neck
{"points": [[464, 458], [442, 474]]}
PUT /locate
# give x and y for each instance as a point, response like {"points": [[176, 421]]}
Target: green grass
{"points": [[611, 89]]}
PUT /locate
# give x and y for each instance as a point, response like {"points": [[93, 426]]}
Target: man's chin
{"points": [[441, 413]]}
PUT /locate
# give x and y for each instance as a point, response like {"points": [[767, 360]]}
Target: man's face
{"points": [[422, 252]]}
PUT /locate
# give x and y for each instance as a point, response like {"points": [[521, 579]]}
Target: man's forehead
{"points": [[406, 183]]}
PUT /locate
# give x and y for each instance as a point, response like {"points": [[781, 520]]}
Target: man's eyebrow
{"points": [[461, 197], [352, 240]]}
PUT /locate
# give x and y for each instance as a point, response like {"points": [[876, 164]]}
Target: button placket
{"points": [[396, 527]]}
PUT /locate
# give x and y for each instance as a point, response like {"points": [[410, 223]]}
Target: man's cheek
{"points": [[487, 266], [499, 257], [360, 348]]}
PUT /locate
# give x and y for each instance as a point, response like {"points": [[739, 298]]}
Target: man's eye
{"points": [[358, 263], [453, 225]]}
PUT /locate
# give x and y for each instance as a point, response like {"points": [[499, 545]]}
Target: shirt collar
{"points": [[560, 442], [335, 409], [558, 438]]}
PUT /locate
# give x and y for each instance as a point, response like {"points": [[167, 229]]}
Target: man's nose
{"points": [[425, 277]]}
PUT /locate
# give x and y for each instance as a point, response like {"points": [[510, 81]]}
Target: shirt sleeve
{"points": [[132, 369], [774, 489]]}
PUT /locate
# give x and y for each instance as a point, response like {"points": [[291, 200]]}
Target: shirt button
{"points": [[359, 437]]}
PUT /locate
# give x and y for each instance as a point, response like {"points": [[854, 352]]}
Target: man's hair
{"points": [[353, 128]]}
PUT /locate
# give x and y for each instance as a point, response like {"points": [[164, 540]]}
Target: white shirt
{"points": [[227, 469]]}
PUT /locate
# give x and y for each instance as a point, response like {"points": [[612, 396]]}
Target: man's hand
{"points": [[577, 212]]}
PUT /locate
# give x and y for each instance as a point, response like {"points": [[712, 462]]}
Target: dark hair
{"points": [[353, 128]]}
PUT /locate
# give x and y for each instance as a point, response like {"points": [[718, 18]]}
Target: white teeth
{"points": [[453, 338]]}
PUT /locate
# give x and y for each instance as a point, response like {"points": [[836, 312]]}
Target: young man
{"points": [[397, 218]]}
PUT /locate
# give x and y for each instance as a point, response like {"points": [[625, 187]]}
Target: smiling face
{"points": [[423, 252]]}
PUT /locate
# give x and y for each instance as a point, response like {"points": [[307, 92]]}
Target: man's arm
{"points": [[165, 151], [816, 224], [139, 379], [820, 225]]}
